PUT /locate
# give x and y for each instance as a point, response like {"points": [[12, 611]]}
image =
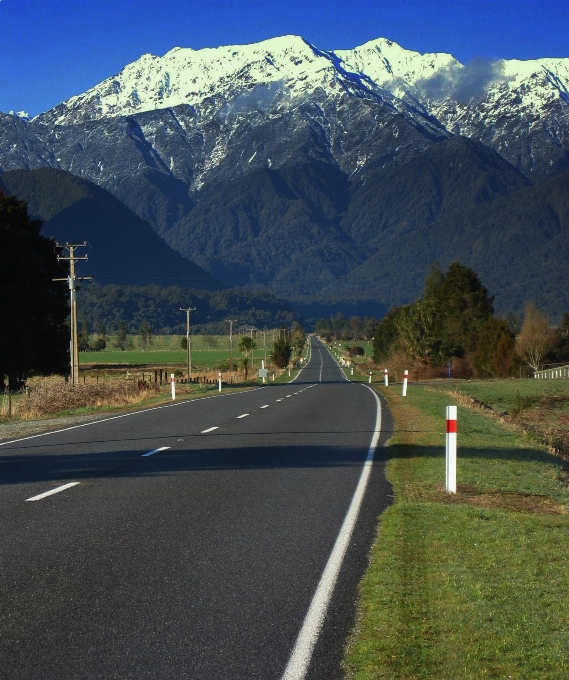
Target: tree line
{"points": [[454, 323]]}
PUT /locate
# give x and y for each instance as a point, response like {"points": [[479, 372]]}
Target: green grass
{"points": [[473, 585], [200, 359], [501, 394]]}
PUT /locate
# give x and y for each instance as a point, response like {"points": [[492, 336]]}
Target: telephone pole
{"points": [[188, 347], [72, 280], [231, 344]]}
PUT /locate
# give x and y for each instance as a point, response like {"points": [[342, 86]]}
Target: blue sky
{"points": [[53, 49]]}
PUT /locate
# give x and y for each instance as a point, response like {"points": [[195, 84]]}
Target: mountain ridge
{"points": [[291, 167]]}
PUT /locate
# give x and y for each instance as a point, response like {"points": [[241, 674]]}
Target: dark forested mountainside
{"points": [[160, 307], [309, 233], [518, 244], [122, 247], [301, 229]]}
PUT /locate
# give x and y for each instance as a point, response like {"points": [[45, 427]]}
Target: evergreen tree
{"points": [[121, 335], [145, 333], [493, 350], [281, 352], [83, 336], [33, 308], [386, 334]]}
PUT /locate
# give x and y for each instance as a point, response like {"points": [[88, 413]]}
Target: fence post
{"points": [[451, 439]]}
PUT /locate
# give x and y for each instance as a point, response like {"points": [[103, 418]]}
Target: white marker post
{"points": [[451, 449], [386, 377], [405, 377], [173, 384], [369, 379], [219, 380], [352, 370]]}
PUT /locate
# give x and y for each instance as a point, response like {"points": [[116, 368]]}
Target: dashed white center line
{"points": [[243, 415], [288, 395], [279, 399], [50, 493], [210, 429], [265, 406], [151, 453]]}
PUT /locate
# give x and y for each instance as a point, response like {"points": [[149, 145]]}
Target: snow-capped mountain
{"points": [[284, 70], [174, 136]]}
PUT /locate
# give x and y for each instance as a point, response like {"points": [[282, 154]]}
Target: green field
{"points": [[474, 585], [501, 394], [202, 358], [208, 352]]}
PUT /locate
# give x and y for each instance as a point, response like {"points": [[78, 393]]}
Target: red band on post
{"points": [[452, 426]]}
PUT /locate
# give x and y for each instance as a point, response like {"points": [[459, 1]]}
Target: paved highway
{"points": [[220, 538]]}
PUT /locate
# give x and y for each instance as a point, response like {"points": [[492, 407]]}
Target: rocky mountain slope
{"points": [[286, 166]]}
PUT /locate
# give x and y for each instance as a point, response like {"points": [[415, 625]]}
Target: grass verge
{"points": [[473, 585]]}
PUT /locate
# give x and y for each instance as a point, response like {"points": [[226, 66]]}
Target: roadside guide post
{"points": [[451, 440], [173, 384], [386, 377], [405, 377], [219, 380], [369, 378]]}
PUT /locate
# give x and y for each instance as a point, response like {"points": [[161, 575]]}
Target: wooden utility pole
{"points": [[188, 347], [231, 344], [72, 280]]}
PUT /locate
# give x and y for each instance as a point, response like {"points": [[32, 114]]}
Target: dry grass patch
{"points": [[54, 395], [470, 494]]}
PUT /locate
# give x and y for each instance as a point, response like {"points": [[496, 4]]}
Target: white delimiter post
{"points": [[173, 384], [219, 379], [405, 378], [386, 377], [369, 379], [451, 450]]}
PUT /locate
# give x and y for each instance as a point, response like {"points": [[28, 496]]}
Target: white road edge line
{"points": [[151, 453], [301, 654], [243, 415], [210, 429], [50, 493]]}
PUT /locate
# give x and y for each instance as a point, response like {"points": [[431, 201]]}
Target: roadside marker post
{"points": [[451, 441], [405, 378], [173, 384], [219, 380], [369, 379], [386, 377], [352, 370]]}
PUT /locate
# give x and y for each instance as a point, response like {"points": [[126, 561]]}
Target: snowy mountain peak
{"points": [[188, 76]]}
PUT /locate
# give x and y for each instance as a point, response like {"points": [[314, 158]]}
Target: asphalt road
{"points": [[201, 560]]}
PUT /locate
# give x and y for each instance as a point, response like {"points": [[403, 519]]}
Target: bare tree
{"points": [[533, 340]]}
